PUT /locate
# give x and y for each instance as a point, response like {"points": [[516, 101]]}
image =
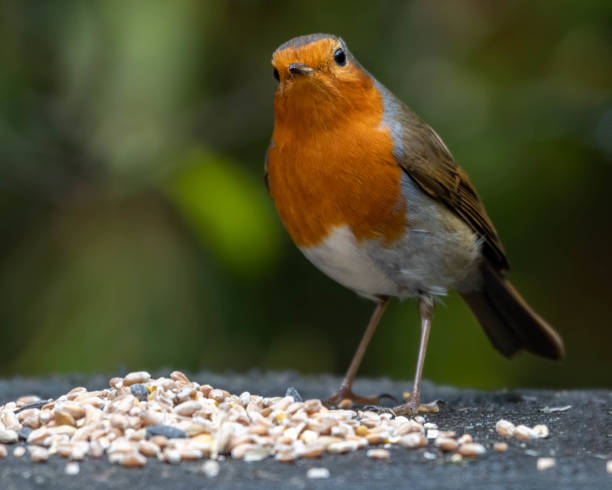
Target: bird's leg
{"points": [[413, 406], [346, 388]]}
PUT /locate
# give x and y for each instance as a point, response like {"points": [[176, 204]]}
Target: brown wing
{"points": [[426, 159]]}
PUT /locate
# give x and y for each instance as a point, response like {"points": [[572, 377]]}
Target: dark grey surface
{"points": [[580, 440]]}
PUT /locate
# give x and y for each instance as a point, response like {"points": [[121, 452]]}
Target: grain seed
{"points": [[378, 453], [544, 464], [505, 428], [317, 473], [500, 447]]}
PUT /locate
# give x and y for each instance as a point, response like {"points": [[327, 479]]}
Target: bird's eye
{"points": [[340, 57], [276, 75]]}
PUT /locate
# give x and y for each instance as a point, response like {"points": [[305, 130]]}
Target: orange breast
{"points": [[344, 175]]}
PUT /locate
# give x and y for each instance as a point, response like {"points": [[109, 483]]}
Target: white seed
{"points": [[541, 431], [185, 394], [60, 430], [218, 395], [609, 466], [123, 403], [295, 407], [188, 408], [505, 428], [38, 436], [283, 403], [210, 468], [72, 468], [136, 377], [471, 450], [95, 449], [115, 458], [433, 434], [222, 441], [3, 451], [82, 434], [309, 436], [27, 399], [173, 456], [133, 460], [118, 421], [500, 447], [9, 420], [152, 418], [19, 451], [148, 448], [317, 473], [379, 437], [77, 411], [342, 447], [408, 427], [378, 454], [179, 376], [39, 454], [189, 453], [464, 439], [8, 436], [524, 433], [245, 398], [63, 417], [286, 456], [312, 406], [313, 450], [30, 418], [120, 445], [45, 416], [79, 451], [412, 440], [446, 444], [294, 432], [256, 453], [545, 463]]}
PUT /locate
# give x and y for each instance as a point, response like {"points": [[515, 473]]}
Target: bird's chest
{"points": [[330, 181]]}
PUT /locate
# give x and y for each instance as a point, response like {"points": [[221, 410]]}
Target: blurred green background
{"points": [[135, 229]]}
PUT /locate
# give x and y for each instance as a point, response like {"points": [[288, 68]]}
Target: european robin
{"points": [[373, 198]]}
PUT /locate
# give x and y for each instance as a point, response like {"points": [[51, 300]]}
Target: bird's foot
{"points": [[411, 408], [345, 398]]}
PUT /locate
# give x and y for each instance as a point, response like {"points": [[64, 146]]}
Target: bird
{"points": [[373, 198]]}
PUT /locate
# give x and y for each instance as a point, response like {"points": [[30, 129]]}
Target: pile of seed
{"points": [[174, 419]]}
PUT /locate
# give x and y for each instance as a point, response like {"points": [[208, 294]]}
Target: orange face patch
{"points": [[331, 163], [316, 55]]}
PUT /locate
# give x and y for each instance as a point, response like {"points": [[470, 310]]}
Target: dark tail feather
{"points": [[508, 320]]}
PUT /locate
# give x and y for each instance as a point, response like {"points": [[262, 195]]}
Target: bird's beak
{"points": [[300, 69]]}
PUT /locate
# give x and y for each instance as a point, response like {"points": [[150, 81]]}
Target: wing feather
{"points": [[427, 160]]}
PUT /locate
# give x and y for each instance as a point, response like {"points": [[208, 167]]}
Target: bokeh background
{"points": [[136, 232]]}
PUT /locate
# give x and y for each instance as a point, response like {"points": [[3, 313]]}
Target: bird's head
{"points": [[319, 79]]}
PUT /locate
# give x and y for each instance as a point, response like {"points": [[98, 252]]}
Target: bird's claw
{"points": [[410, 408], [347, 399], [378, 409]]}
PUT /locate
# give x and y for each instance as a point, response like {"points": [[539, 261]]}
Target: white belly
{"points": [[347, 261], [437, 252]]}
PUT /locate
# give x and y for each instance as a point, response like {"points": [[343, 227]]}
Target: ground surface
{"points": [[580, 440]]}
